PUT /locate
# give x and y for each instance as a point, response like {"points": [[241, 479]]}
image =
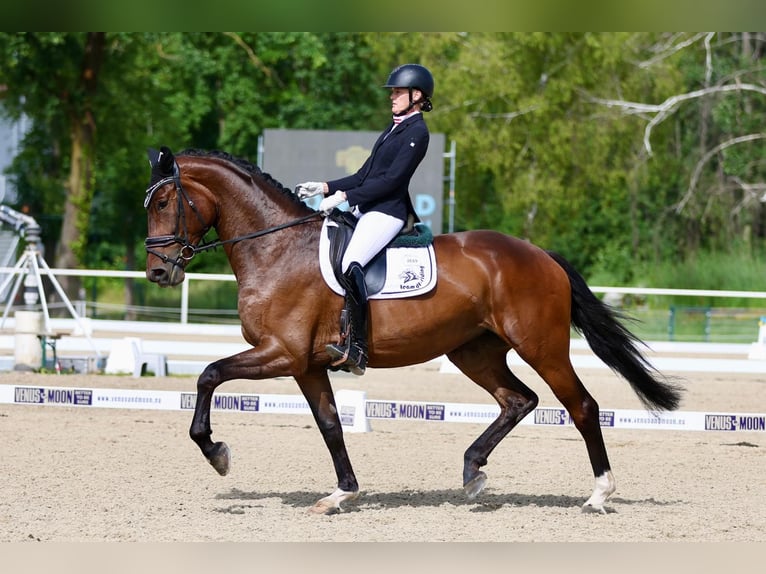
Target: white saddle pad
{"points": [[410, 271]]}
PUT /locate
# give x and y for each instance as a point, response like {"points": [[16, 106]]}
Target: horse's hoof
{"points": [[324, 508], [474, 486], [605, 487], [220, 458], [331, 504], [591, 509]]}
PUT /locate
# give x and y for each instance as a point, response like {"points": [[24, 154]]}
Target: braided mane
{"points": [[246, 166]]}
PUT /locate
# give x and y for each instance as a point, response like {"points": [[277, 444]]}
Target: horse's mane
{"points": [[245, 165]]}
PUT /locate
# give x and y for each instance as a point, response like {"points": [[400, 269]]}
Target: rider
{"points": [[379, 197]]}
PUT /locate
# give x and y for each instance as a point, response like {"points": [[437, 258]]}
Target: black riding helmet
{"points": [[413, 76]]}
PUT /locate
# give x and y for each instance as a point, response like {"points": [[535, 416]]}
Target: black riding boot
{"points": [[351, 353]]}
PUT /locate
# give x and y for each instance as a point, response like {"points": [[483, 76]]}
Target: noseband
{"points": [[188, 249]]}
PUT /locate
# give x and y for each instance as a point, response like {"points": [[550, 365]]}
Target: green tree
{"points": [[705, 138], [547, 152], [53, 78], [97, 101], [551, 129], [537, 158]]}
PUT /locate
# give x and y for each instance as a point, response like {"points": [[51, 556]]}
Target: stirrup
{"points": [[349, 358]]}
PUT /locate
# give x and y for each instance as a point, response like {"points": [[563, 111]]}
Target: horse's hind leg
{"points": [[317, 390], [483, 360], [583, 409]]}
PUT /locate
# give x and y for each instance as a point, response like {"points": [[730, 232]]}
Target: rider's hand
{"points": [[309, 189], [333, 201]]}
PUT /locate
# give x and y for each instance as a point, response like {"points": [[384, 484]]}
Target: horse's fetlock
{"points": [[473, 459], [198, 435]]}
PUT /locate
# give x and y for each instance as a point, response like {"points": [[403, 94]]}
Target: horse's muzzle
{"points": [[168, 274]]}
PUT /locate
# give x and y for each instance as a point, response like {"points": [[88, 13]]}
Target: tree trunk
{"points": [[66, 257], [74, 229]]}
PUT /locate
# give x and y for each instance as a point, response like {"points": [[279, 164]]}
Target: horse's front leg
{"points": [[318, 392], [217, 454], [251, 364]]}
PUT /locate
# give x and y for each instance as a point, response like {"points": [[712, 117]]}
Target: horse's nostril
{"points": [[157, 275]]}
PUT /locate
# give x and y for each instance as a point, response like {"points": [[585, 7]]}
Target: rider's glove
{"points": [[332, 201], [309, 189]]}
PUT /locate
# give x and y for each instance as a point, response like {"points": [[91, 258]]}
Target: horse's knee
{"points": [[209, 378]]}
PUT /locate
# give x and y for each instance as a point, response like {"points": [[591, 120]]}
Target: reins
{"points": [[294, 222]]}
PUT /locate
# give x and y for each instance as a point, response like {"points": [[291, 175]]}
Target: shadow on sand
{"points": [[485, 502]]}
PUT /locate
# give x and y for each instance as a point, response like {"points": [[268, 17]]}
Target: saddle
{"points": [[415, 237]]}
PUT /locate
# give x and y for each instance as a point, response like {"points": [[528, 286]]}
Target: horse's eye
{"points": [[162, 204]]}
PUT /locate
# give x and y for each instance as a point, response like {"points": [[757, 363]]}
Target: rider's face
{"points": [[400, 99]]}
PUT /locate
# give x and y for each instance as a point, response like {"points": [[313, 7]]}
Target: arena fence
{"points": [[357, 412]]}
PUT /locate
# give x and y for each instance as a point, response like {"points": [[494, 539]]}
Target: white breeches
{"points": [[374, 231]]}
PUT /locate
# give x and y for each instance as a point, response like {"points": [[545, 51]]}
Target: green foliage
{"points": [[739, 270], [208, 90], [538, 153]]}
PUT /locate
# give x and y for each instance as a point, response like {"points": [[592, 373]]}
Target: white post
{"points": [[758, 349], [452, 155], [352, 410], [27, 349]]}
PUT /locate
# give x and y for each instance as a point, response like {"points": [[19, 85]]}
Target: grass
{"points": [[696, 324]]}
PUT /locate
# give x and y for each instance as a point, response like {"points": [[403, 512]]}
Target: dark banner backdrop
{"points": [[294, 156]]}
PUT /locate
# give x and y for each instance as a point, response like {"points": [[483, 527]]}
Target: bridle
{"points": [[188, 249]]}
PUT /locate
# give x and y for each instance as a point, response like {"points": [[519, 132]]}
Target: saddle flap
{"points": [[339, 236], [395, 272]]}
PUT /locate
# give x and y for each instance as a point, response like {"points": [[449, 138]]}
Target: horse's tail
{"points": [[616, 346]]}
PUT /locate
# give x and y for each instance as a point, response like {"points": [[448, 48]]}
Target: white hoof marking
{"points": [[605, 486], [331, 504]]}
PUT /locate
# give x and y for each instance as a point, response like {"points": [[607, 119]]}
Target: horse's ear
{"points": [[154, 156], [166, 160], [161, 161]]}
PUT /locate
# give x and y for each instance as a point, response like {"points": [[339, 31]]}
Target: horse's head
{"points": [[176, 222]]}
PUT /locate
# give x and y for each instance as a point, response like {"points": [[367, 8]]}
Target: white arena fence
{"points": [[174, 339], [184, 311], [141, 275]]}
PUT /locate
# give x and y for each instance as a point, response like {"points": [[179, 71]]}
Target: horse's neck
{"points": [[243, 210], [240, 219]]}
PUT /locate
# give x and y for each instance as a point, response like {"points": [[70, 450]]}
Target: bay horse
{"points": [[494, 293]]}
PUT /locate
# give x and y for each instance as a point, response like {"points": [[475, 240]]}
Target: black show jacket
{"points": [[382, 183]]}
